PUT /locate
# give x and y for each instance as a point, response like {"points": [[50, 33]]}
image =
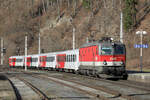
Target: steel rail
{"points": [[120, 83], [35, 89]]}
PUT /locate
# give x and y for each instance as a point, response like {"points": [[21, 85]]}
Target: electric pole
{"points": [[121, 27], [39, 44], [2, 51], [87, 40], [73, 38], [25, 52]]}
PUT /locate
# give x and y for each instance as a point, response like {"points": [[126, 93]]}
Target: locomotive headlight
{"points": [[105, 63], [122, 63]]}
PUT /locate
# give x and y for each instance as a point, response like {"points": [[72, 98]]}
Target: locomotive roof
{"points": [[100, 42]]}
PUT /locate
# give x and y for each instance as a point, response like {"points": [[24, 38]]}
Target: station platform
{"points": [[139, 76]]}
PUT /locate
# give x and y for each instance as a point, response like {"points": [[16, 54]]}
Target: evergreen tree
{"points": [[129, 14]]}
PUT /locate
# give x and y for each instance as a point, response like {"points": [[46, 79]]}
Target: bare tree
{"points": [[91, 6], [104, 3], [112, 3], [47, 4], [58, 8], [68, 3], [75, 5], [44, 8]]}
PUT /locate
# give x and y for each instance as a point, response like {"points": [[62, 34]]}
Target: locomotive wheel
{"points": [[98, 75], [94, 74], [52, 69], [77, 72], [87, 73], [125, 76], [74, 72]]}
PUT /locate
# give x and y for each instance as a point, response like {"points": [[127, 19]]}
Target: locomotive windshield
{"points": [[115, 49], [106, 50], [119, 49]]}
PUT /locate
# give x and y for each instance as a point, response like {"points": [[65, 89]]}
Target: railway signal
{"points": [[141, 33]]}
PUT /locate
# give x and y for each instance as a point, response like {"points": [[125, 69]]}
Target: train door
{"points": [[28, 61], [9, 62], [60, 60], [13, 61], [42, 61]]}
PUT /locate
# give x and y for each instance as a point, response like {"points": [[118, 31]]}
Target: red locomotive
{"points": [[103, 58]]}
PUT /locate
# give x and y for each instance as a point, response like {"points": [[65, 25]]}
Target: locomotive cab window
{"points": [[106, 50], [119, 49]]}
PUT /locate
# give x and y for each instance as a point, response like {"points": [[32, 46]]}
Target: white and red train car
{"points": [[16, 61], [102, 58]]}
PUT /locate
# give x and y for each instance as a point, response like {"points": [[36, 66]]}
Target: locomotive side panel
{"points": [[88, 55]]}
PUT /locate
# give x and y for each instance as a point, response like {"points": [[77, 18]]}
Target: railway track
{"points": [[17, 94], [104, 91], [35, 89], [130, 84], [118, 82], [41, 95], [114, 93], [125, 83], [68, 85]]}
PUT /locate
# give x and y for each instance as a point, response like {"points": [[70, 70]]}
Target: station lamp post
{"points": [[141, 33]]}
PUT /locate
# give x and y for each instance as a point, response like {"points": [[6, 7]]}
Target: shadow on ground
{"points": [[2, 77], [134, 72]]}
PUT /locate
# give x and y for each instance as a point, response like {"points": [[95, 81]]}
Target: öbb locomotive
{"points": [[104, 58]]}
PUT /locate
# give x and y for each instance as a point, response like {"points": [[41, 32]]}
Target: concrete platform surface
{"points": [[6, 90], [139, 76]]}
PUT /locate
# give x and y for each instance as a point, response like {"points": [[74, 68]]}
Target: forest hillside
{"points": [[55, 20]]}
